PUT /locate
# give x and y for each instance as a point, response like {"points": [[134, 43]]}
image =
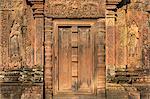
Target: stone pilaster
{"points": [[39, 36], [100, 55], [111, 6], [48, 57], [110, 41], [121, 39], [38, 12]]}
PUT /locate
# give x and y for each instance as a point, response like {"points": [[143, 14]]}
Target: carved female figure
{"points": [[133, 38], [133, 46], [15, 44]]}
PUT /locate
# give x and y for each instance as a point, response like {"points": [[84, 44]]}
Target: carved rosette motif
{"points": [[75, 8]]}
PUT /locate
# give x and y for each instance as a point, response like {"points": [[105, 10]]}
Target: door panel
{"points": [[64, 58], [85, 59], [74, 49]]}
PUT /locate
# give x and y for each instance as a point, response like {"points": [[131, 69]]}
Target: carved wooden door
{"points": [[74, 58]]}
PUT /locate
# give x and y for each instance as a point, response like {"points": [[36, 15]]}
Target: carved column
{"points": [[121, 38], [147, 57], [38, 10], [4, 39], [110, 41], [38, 22], [48, 57], [111, 35], [100, 54]]}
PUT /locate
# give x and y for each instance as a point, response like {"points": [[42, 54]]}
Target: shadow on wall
{"points": [[123, 2]]}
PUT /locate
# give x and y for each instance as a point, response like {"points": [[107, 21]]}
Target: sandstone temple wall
{"points": [[26, 46]]}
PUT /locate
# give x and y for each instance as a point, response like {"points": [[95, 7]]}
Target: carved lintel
{"points": [[75, 8]]}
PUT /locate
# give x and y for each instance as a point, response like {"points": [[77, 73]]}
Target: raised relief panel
{"points": [[74, 51], [75, 8], [133, 44]]}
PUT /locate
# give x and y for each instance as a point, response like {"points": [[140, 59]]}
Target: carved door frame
{"points": [[98, 27], [66, 22]]}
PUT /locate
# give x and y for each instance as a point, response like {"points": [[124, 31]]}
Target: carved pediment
{"points": [[75, 8]]}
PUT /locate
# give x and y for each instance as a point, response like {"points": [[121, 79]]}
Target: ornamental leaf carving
{"points": [[75, 8]]}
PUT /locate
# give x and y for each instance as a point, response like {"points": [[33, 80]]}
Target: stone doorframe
{"points": [[44, 29], [99, 28]]}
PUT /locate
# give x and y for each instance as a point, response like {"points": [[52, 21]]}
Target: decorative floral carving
{"points": [[75, 8], [58, 9], [90, 9]]}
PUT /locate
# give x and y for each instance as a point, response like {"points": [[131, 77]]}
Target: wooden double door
{"points": [[74, 66]]}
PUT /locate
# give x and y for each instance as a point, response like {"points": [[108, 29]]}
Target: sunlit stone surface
{"points": [[74, 49]]}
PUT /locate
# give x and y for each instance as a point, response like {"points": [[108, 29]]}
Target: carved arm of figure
{"points": [[15, 30]]}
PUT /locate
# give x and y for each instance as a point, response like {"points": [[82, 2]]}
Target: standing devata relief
{"points": [[74, 49], [133, 45], [15, 40]]}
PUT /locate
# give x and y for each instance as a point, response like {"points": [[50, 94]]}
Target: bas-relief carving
{"points": [[18, 47], [16, 53], [146, 47], [21, 36], [136, 34], [133, 45], [121, 39], [133, 38], [29, 30], [76, 8], [130, 40], [15, 44]]}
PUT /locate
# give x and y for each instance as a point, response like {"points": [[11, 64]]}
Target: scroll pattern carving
{"points": [[75, 8], [4, 40], [146, 49]]}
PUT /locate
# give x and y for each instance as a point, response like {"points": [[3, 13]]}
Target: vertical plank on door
{"points": [[64, 59], [85, 59]]}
